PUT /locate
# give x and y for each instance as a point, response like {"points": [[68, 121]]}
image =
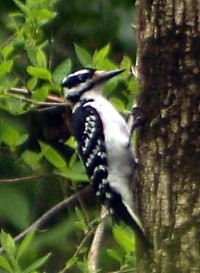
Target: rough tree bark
{"points": [[169, 144]]}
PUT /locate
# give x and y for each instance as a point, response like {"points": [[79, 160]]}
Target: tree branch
{"points": [[50, 213], [26, 92], [93, 256], [79, 248], [41, 103], [25, 178]]}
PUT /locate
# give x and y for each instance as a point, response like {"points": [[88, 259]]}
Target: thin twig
{"points": [[25, 178], [21, 91], [41, 103], [93, 256], [90, 232], [81, 202], [76, 253], [49, 108], [50, 213], [26, 92]]}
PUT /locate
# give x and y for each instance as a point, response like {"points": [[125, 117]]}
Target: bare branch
{"points": [[50, 213], [41, 103], [20, 91], [26, 92], [83, 242], [93, 256], [52, 102], [25, 178]]}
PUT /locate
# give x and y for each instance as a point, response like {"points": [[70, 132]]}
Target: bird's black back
{"points": [[88, 132]]}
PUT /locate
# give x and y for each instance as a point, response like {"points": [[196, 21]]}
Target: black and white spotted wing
{"points": [[88, 132]]}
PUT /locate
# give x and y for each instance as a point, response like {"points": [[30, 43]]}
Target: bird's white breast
{"points": [[119, 154]]}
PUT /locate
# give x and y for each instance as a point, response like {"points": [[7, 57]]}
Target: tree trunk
{"points": [[169, 144]]}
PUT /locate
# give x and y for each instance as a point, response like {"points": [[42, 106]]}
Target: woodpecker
{"points": [[103, 140]]}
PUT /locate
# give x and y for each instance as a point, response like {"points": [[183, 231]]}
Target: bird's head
{"points": [[85, 80]]}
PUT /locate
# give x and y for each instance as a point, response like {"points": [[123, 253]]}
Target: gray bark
{"points": [[169, 143]]}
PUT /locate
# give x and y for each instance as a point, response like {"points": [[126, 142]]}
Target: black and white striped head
{"points": [[79, 82]]}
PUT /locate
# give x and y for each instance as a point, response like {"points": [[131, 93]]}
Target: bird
{"points": [[103, 143]]}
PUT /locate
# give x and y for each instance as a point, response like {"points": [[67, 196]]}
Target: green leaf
{"points": [[32, 83], [5, 264], [73, 160], [31, 52], [43, 16], [7, 51], [11, 135], [22, 7], [61, 71], [101, 54], [5, 67], [76, 172], [37, 264], [14, 105], [71, 262], [41, 58], [41, 93], [106, 64], [8, 244], [118, 104], [110, 87], [12, 198], [116, 255], [71, 142], [39, 72], [84, 56], [81, 223], [125, 63], [75, 176], [53, 156], [25, 244], [133, 86], [123, 237], [31, 158]]}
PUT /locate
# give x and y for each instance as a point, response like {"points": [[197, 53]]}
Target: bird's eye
{"points": [[83, 77], [76, 78]]}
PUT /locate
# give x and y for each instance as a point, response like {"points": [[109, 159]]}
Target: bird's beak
{"points": [[102, 76]]}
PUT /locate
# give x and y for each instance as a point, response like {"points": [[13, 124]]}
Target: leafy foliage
{"points": [[12, 262], [35, 143]]}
